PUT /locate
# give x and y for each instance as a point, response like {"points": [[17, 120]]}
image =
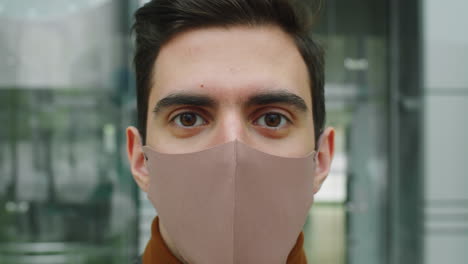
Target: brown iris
{"points": [[272, 120], [188, 119]]}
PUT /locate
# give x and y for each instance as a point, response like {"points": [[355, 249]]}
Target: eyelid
{"points": [[186, 109], [172, 120], [267, 110], [284, 126]]}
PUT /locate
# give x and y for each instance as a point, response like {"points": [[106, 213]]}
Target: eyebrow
{"points": [[184, 99], [264, 98], [275, 97]]}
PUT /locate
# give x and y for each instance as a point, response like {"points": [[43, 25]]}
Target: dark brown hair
{"points": [[159, 20]]}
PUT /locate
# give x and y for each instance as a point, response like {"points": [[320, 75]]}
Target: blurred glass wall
{"points": [[445, 104], [347, 222], [65, 192]]}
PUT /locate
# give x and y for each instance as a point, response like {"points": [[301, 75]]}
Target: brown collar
{"points": [[157, 252]]}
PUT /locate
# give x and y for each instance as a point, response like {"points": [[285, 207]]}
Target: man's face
{"points": [[214, 85]]}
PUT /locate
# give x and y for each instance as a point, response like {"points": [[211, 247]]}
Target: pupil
{"points": [[188, 119], [272, 120]]}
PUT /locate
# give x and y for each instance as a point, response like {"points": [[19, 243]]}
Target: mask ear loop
{"points": [[319, 144], [145, 157]]}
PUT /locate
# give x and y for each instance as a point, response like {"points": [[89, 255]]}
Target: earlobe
{"points": [[325, 154], [136, 158]]}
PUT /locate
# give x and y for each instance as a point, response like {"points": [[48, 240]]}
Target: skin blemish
{"points": [[202, 85]]}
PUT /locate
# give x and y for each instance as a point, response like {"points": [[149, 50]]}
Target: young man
{"points": [[231, 144]]}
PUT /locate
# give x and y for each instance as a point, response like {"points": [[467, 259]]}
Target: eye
{"points": [[272, 120], [188, 120]]}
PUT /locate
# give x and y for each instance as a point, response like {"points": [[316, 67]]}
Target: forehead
{"points": [[231, 63]]}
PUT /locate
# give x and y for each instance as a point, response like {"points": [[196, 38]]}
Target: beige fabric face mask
{"points": [[231, 204]]}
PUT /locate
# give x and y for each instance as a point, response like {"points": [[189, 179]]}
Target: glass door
{"points": [[65, 193]]}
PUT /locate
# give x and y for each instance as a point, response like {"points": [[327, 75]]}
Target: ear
{"points": [[325, 154], [136, 158]]}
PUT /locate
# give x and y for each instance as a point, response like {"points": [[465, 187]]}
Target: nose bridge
{"points": [[231, 125]]}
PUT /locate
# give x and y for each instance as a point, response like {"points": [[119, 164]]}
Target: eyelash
{"points": [[173, 119]]}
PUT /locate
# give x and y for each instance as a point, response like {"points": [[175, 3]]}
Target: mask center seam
{"points": [[234, 203]]}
